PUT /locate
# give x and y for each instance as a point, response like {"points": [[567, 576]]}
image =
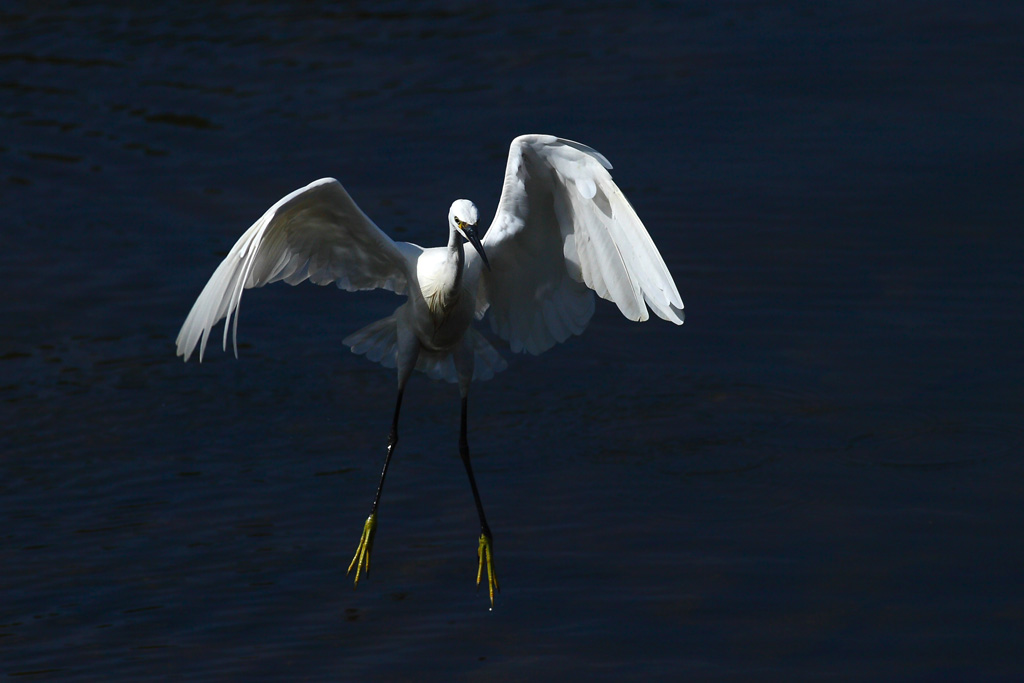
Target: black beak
{"points": [[470, 232]]}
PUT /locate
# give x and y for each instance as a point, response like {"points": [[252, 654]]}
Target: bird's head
{"points": [[462, 219]]}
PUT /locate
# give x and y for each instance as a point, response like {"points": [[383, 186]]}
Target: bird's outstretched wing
{"points": [[316, 232], [563, 226]]}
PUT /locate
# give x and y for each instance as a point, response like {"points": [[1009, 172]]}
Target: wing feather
{"points": [[317, 233], [564, 228]]}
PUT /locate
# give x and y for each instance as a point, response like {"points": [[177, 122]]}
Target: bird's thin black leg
{"points": [[464, 453], [361, 561], [485, 550], [392, 442]]}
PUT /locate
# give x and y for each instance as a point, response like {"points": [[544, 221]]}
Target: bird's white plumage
{"points": [[316, 233], [562, 229], [563, 223]]}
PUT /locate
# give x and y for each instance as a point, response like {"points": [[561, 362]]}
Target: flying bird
{"points": [[562, 231]]}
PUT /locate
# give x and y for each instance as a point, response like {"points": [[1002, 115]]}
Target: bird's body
{"points": [[562, 230], [441, 307]]}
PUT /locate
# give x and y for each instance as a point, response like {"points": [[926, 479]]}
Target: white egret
{"points": [[562, 228]]}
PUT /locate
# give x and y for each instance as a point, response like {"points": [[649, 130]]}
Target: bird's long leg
{"points": [[485, 551], [361, 561]]}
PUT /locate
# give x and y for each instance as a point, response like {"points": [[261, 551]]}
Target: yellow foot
{"points": [[486, 554], [362, 559]]}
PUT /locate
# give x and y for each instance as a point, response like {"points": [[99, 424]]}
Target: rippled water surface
{"points": [[818, 477]]}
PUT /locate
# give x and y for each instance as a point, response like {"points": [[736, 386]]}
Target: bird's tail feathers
{"points": [[378, 341], [487, 362]]}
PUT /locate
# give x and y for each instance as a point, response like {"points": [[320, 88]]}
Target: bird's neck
{"points": [[456, 257]]}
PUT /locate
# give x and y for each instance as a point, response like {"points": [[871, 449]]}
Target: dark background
{"points": [[817, 477]]}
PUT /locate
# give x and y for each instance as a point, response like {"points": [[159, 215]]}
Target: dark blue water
{"points": [[819, 476]]}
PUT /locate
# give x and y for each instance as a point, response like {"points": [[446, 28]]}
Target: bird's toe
{"points": [[485, 554], [361, 561]]}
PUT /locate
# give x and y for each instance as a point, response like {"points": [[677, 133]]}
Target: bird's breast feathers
{"points": [[436, 285]]}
